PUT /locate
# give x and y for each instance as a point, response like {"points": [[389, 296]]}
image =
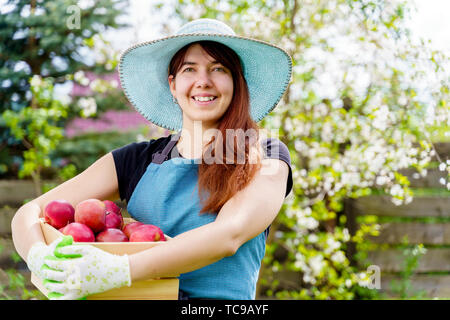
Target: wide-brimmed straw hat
{"points": [[143, 71]]}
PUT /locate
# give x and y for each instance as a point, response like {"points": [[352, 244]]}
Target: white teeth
{"points": [[204, 98]]}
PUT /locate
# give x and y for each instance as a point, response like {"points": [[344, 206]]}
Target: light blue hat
{"points": [[143, 71]]}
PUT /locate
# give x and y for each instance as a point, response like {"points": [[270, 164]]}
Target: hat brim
{"points": [[143, 75]]}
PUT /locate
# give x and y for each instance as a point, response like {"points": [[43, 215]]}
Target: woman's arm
{"points": [[244, 216], [98, 181]]}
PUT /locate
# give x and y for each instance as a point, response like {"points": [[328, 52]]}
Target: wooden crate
{"points": [[151, 289]]}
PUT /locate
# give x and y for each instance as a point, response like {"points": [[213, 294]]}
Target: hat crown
{"points": [[208, 26]]}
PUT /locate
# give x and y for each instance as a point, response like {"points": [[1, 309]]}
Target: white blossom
{"points": [[317, 264], [80, 77], [382, 180], [346, 235], [396, 190], [381, 118], [332, 245], [338, 257], [313, 238], [348, 283], [363, 279], [309, 279], [36, 81], [88, 106], [140, 137], [307, 222]]}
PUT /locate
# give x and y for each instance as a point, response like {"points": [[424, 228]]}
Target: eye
{"points": [[188, 68], [220, 68]]}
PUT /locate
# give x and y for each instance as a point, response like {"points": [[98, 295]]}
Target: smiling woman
{"points": [[218, 214]]}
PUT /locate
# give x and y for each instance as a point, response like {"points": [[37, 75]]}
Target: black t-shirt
{"points": [[132, 160]]}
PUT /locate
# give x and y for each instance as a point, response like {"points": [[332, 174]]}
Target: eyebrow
{"points": [[194, 63]]}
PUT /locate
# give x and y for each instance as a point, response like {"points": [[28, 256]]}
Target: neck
{"points": [[194, 137]]}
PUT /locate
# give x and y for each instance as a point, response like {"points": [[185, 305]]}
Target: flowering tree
{"points": [[363, 97]]}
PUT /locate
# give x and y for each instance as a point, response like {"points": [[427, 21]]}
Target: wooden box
{"points": [[152, 289]]}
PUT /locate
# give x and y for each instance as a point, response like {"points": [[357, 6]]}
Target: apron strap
{"points": [[160, 157]]}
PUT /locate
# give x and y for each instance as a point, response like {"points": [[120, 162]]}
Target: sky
{"points": [[430, 21]]}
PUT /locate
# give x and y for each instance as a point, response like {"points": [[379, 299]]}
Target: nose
{"points": [[203, 80]]}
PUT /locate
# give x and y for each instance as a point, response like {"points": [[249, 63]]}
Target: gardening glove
{"points": [[80, 270], [37, 253]]}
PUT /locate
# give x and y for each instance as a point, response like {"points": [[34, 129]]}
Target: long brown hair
{"points": [[218, 182]]}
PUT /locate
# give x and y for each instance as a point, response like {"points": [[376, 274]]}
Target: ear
{"points": [[171, 81]]}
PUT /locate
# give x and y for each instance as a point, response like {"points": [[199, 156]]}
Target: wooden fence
{"points": [[426, 220], [432, 274]]}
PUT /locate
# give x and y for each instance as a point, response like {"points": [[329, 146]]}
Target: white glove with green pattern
{"points": [[80, 270], [37, 253]]}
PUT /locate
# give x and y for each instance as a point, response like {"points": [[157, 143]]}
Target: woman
{"points": [[207, 186]]}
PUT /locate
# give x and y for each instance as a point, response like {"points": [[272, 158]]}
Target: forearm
{"points": [[186, 252], [26, 229]]}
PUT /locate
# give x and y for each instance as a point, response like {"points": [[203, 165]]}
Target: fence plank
{"points": [[443, 150], [6, 215], [433, 285], [426, 233], [431, 180], [392, 260], [381, 205], [13, 192]]}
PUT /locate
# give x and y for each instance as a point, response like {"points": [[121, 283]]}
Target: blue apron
{"points": [[167, 196]]}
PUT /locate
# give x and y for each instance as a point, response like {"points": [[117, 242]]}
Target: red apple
{"points": [[147, 232], [80, 232], [112, 207], [59, 213], [129, 228], [113, 220], [111, 235], [91, 212]]}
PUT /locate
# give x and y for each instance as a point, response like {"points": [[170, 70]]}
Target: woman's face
{"points": [[201, 78]]}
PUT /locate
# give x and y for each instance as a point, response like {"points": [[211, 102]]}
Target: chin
{"points": [[204, 115]]}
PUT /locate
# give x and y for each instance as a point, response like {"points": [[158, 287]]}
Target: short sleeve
{"points": [[129, 162], [276, 149]]}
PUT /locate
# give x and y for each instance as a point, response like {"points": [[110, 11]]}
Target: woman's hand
{"points": [[93, 271], [37, 253]]}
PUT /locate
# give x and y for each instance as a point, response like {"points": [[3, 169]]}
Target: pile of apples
{"points": [[93, 220]]}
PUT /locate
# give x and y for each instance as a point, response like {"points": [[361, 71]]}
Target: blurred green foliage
{"points": [[38, 127], [85, 149]]}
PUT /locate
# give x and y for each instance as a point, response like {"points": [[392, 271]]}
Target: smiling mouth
{"points": [[203, 102]]}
